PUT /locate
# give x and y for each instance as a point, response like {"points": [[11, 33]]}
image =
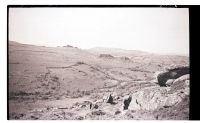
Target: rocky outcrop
{"points": [[179, 111], [180, 85], [171, 73], [148, 99], [70, 46], [108, 56], [155, 98], [125, 59], [182, 78]]}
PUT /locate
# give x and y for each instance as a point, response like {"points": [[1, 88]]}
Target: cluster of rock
{"points": [[159, 102]]}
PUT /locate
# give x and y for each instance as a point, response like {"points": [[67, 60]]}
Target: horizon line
{"points": [[157, 53]]}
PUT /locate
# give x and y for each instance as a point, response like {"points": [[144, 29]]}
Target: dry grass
{"points": [[54, 83]]}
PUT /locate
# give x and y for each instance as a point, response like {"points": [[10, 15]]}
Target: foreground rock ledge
{"points": [[172, 73]]}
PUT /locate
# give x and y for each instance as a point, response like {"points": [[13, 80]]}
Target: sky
{"points": [[156, 30]]}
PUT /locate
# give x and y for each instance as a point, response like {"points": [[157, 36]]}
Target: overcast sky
{"points": [[158, 30]]}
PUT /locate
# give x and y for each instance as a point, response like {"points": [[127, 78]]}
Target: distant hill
{"points": [[122, 52], [117, 51]]}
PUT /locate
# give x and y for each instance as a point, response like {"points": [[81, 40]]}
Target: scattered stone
{"points": [[91, 106], [34, 117], [117, 112], [79, 118], [166, 106], [110, 99], [96, 106], [127, 102], [99, 112], [16, 115]]}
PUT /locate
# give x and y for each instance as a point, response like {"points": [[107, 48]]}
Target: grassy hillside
{"points": [[45, 77]]}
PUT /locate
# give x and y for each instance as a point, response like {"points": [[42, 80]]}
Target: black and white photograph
{"points": [[98, 63]]}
